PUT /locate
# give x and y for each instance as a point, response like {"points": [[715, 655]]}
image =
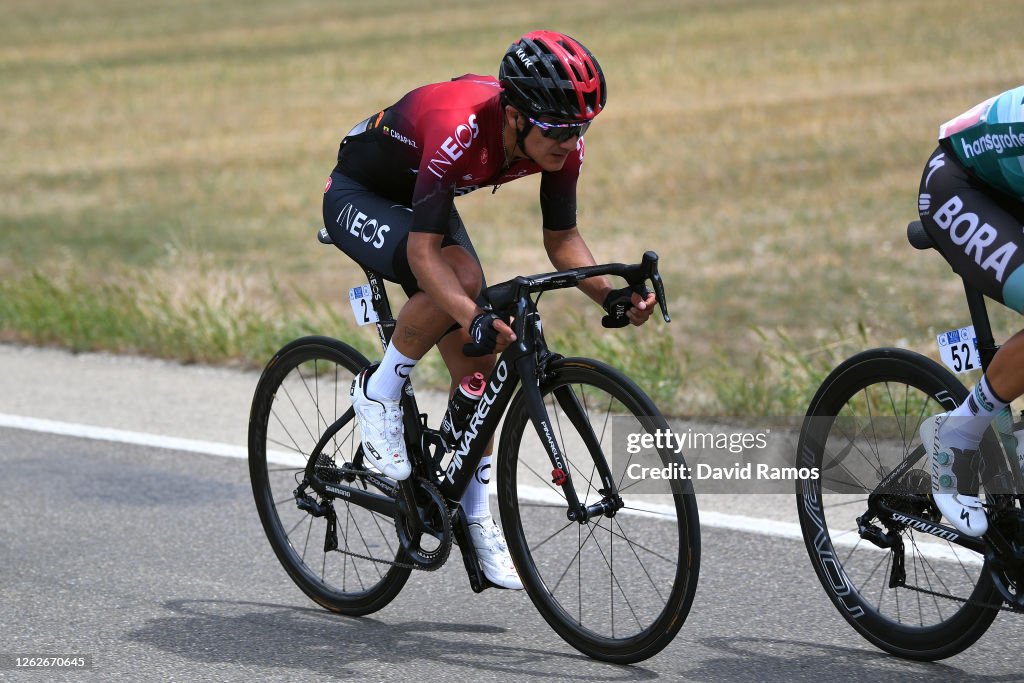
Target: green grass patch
{"points": [[202, 320], [769, 151]]}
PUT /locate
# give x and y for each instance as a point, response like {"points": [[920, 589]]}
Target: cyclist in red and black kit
{"points": [[389, 205]]}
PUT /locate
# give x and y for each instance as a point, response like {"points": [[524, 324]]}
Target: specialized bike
{"points": [[907, 582], [611, 566]]}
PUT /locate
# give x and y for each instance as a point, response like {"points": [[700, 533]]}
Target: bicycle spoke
{"points": [[301, 392], [872, 407], [541, 544], [632, 543], [615, 580], [289, 498], [309, 530], [579, 550], [649, 511], [547, 481], [305, 425], [609, 585], [633, 546]]}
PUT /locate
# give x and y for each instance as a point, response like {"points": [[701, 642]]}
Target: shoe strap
{"points": [[966, 467]]}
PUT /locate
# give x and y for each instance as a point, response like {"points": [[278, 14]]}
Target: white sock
{"points": [[387, 381], [967, 423], [474, 501]]}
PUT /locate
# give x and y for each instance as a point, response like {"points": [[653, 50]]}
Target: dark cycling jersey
{"points": [[443, 140], [970, 196], [989, 140]]}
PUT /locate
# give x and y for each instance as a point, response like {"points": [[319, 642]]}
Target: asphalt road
{"points": [[152, 562]]}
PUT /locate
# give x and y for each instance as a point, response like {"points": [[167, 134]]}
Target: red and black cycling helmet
{"points": [[546, 73]]}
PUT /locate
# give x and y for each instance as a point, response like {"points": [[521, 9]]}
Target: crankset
{"points": [[1006, 564], [1002, 546], [424, 524]]}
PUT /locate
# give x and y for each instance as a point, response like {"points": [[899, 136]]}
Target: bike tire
{"points": [[849, 439], [303, 390], [656, 535]]}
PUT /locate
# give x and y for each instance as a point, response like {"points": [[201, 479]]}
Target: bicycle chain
{"points": [[393, 563], [379, 484], [1002, 606]]}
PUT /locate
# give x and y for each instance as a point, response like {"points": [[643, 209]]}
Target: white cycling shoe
{"points": [[489, 543], [954, 481], [383, 433]]}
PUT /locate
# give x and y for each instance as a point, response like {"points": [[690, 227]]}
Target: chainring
{"points": [[1007, 568], [429, 549]]}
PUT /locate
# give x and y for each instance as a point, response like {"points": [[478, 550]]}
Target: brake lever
{"points": [[650, 268]]}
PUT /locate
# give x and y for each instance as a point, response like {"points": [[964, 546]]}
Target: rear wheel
{"points": [[863, 424], [619, 586], [303, 390]]}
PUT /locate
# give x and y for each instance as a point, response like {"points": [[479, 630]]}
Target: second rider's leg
{"points": [[1006, 371], [979, 233]]}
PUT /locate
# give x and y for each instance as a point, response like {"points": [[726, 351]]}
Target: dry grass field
{"points": [[163, 165]]}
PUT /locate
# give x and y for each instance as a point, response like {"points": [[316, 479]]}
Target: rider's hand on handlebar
{"points": [[488, 334], [627, 307]]}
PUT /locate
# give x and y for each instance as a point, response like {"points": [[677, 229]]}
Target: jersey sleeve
{"points": [[451, 136], [558, 192], [432, 203]]}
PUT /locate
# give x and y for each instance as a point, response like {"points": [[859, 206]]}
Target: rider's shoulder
{"points": [[452, 101], [477, 80], [1005, 107], [1008, 106], [462, 90]]}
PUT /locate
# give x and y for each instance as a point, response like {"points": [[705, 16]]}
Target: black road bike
{"points": [[612, 570], [907, 582]]}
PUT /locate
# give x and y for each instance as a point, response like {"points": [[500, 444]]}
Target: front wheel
{"points": [[863, 425], [619, 586]]}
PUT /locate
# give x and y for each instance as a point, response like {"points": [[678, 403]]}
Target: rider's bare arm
{"points": [[436, 277], [567, 249]]}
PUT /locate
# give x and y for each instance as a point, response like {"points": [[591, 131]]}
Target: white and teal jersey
{"points": [[989, 140]]}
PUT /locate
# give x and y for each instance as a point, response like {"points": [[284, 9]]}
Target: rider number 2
{"points": [[361, 298]]}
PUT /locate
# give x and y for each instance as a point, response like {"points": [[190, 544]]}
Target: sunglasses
{"points": [[560, 132]]}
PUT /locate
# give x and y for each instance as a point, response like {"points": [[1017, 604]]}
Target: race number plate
{"points": [[361, 298], [959, 349]]}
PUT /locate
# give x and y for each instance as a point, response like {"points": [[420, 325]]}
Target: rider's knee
{"points": [[466, 269]]}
